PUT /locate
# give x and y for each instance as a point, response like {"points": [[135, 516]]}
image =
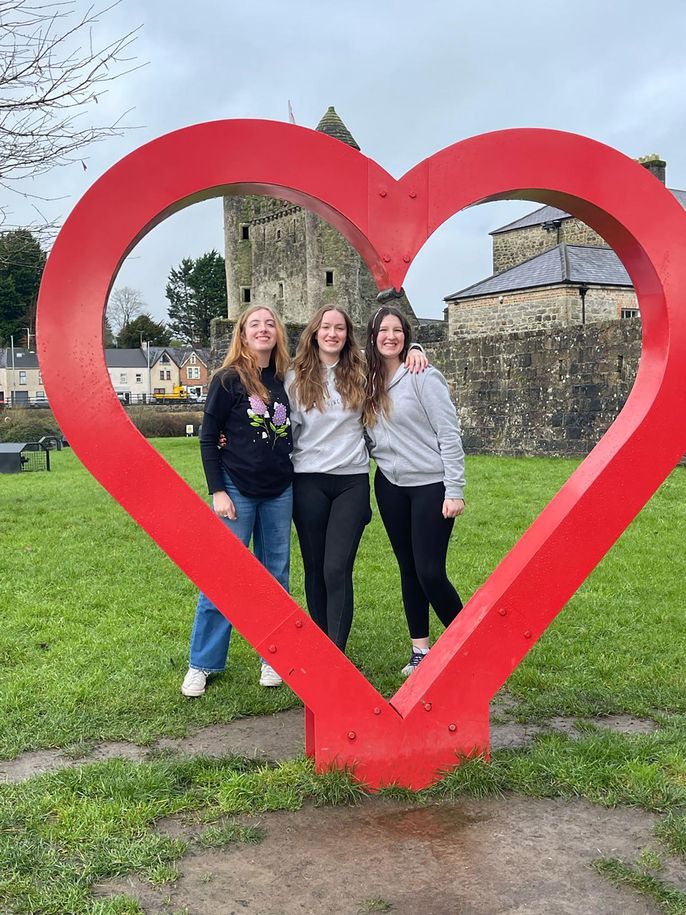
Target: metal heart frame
{"points": [[441, 713]]}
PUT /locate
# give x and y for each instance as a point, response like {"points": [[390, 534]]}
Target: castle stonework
{"points": [[281, 255], [549, 269]]}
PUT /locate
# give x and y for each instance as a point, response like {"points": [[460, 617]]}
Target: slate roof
{"points": [[125, 358], [548, 214], [183, 353], [565, 263], [156, 353], [23, 358], [332, 125]]}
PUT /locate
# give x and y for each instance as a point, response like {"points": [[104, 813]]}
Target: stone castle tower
{"points": [[286, 257]]}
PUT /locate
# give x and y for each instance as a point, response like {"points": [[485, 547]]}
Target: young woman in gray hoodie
{"points": [[419, 483]]}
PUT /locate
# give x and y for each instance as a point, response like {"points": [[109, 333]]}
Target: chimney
{"points": [[656, 165]]}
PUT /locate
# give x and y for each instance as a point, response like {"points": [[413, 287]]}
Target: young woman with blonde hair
{"points": [[250, 477], [419, 482], [331, 505]]}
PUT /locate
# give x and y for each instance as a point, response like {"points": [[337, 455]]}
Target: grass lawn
{"points": [[94, 645]]}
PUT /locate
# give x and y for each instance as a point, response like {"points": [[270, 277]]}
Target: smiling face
{"points": [[390, 338], [259, 334], [331, 336]]}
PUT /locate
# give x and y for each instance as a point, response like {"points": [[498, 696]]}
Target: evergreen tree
{"points": [[21, 266], [197, 293], [141, 330]]}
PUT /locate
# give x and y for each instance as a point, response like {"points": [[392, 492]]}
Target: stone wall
{"points": [[547, 392], [532, 309], [514, 247], [544, 392]]}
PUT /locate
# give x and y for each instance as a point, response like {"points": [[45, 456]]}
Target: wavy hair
{"points": [[377, 400], [309, 387], [243, 361]]}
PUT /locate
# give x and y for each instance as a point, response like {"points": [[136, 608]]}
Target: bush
{"points": [[158, 422], [24, 424], [30, 425]]}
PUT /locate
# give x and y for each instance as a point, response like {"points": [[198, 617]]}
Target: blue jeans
{"points": [[268, 523]]}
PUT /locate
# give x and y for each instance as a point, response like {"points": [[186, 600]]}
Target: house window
{"points": [[123, 378], [164, 358], [40, 395], [161, 375], [22, 377], [245, 294], [40, 378], [245, 232], [630, 313], [158, 391], [193, 359], [329, 278], [193, 371], [139, 379], [167, 375]]}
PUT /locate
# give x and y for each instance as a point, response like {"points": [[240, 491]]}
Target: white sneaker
{"points": [[194, 682], [269, 677]]}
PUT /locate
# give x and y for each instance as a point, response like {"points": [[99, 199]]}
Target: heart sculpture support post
{"points": [[440, 714]]}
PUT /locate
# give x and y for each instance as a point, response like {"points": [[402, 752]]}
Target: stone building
{"points": [[549, 269], [284, 256]]}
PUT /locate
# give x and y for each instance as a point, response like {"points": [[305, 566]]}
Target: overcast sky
{"points": [[407, 79]]}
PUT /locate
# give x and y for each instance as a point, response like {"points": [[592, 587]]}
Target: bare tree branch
{"points": [[51, 72]]}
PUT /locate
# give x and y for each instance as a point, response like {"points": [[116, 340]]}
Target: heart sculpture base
{"points": [[440, 714]]}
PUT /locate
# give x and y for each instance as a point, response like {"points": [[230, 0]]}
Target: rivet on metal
{"points": [[413, 194], [386, 258], [351, 735], [427, 706], [527, 634], [502, 611], [298, 624], [383, 192], [377, 710], [272, 649], [452, 727], [407, 258]]}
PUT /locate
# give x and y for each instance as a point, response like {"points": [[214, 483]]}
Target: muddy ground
{"points": [[473, 857]]}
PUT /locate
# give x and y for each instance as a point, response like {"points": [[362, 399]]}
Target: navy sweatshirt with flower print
{"points": [[259, 442]]}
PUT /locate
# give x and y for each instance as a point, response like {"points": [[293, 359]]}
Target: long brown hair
{"points": [[309, 388], [377, 400], [242, 360]]}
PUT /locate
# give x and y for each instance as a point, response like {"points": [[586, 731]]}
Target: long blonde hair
{"points": [[309, 388], [242, 360]]}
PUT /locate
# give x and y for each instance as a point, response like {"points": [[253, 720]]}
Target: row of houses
{"points": [[137, 375]]}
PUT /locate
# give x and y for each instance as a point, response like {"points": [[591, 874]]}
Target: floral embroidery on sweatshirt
{"points": [[273, 427]]}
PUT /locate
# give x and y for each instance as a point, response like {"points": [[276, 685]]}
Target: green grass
{"points": [[94, 644], [97, 620]]}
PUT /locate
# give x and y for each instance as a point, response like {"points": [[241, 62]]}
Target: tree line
{"points": [[195, 290]]}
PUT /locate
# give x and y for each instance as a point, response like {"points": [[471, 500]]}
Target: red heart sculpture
{"points": [[441, 712]]}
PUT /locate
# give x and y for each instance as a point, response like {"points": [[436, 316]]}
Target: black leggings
{"points": [[330, 513], [419, 535]]}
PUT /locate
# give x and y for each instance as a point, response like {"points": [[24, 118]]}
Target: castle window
{"points": [[278, 234], [630, 313], [245, 232], [280, 290], [328, 278], [245, 294]]}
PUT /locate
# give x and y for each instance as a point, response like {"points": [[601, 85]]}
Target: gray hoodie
{"points": [[419, 442], [328, 442]]}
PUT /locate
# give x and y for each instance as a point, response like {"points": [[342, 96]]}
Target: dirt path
{"points": [[514, 855]]}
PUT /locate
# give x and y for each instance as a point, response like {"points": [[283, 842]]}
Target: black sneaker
{"points": [[413, 663]]}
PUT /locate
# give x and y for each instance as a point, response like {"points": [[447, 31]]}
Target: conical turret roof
{"points": [[332, 125]]}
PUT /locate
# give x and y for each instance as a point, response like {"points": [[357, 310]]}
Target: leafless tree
{"points": [[125, 304], [51, 72]]}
